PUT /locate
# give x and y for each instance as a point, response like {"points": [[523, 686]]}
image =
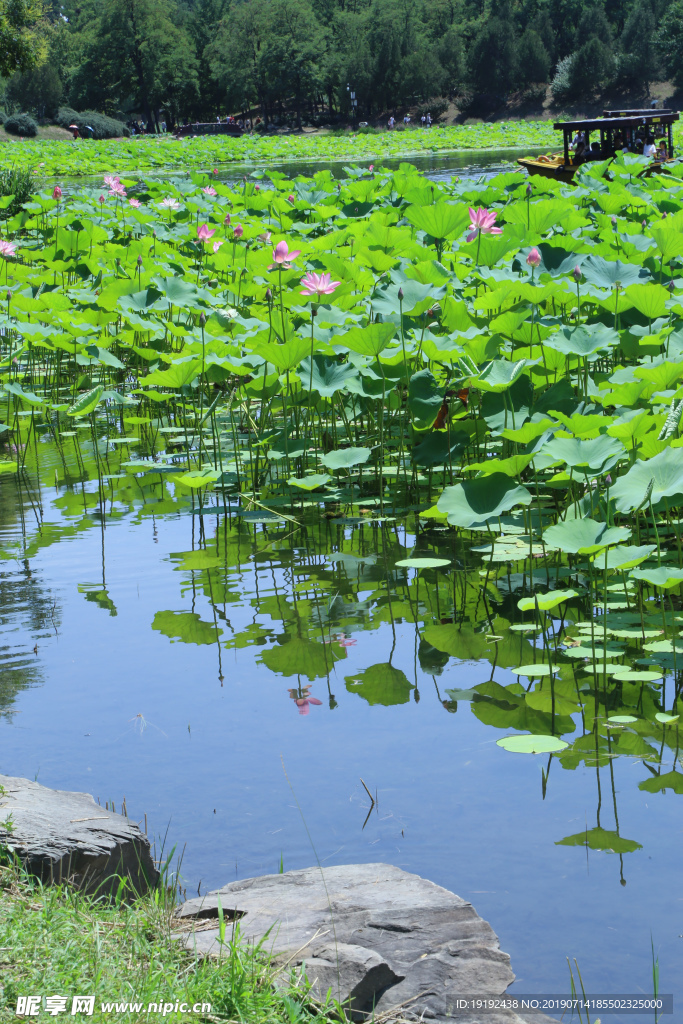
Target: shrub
{"points": [[17, 182], [103, 127], [21, 124]]}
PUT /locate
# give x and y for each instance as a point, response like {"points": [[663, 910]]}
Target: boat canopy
{"points": [[628, 126]]}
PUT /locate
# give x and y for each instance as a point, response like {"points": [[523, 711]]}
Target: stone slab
{"points": [[372, 934], [67, 837]]}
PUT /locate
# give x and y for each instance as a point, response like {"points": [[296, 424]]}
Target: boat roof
{"points": [[596, 123], [637, 112]]}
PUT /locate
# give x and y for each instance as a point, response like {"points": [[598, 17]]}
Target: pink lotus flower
{"points": [[283, 257], [576, 273], [7, 249], [257, 188], [371, 167], [57, 193], [209, 191], [482, 223], [265, 238], [134, 203], [215, 170], [534, 258], [303, 700], [347, 641], [238, 231], [101, 200], [217, 245], [290, 198], [318, 284], [111, 180], [117, 189], [204, 232]]}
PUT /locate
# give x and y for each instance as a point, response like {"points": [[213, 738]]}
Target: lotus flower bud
{"points": [[9, 296], [664, 215], [239, 231], [671, 286], [608, 480], [576, 273], [400, 295], [227, 220], [139, 261], [614, 223], [314, 312], [529, 190], [290, 198], [257, 188], [202, 319], [57, 193], [154, 234], [101, 199], [534, 257], [643, 224], [269, 295]]}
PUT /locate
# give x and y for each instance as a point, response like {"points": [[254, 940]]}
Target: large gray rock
{"points": [[372, 934], [67, 837]]}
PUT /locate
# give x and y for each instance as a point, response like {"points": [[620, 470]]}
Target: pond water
{"points": [[243, 681]]}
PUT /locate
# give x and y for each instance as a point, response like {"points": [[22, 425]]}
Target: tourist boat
{"points": [[617, 128]]}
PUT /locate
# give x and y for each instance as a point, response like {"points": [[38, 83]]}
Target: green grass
{"points": [[54, 941]]}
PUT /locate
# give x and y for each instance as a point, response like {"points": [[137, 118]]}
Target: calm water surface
{"points": [[158, 655]]}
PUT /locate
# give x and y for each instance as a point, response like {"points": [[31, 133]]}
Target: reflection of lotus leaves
{"points": [[601, 839], [660, 783], [185, 626], [302, 657], [381, 684]]}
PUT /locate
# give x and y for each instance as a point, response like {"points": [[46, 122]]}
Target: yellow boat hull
{"points": [[549, 167]]}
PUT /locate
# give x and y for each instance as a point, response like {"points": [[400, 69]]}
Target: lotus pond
{"points": [[159, 153], [354, 480]]}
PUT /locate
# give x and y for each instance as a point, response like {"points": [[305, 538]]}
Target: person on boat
{"points": [[577, 140], [595, 153], [662, 152], [649, 149], [579, 152]]}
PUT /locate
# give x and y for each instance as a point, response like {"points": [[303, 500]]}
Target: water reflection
{"points": [[311, 614]]}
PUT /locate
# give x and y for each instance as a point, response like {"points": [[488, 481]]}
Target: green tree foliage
{"points": [[493, 60], [39, 91], [533, 58], [670, 40], [21, 47]]}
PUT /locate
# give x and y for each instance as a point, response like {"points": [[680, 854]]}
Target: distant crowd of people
{"points": [[425, 121]]}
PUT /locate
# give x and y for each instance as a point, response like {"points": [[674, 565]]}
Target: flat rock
{"points": [[66, 837], [372, 934]]}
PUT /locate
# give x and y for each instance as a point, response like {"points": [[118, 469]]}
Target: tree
{"points": [[139, 58], [533, 58], [670, 42], [21, 48], [452, 59], [39, 91], [639, 59], [591, 69], [493, 58]]}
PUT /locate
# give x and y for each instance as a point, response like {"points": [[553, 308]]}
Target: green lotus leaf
{"points": [[660, 783], [440, 446], [309, 483], [371, 340], [532, 744], [546, 601], [625, 557], [664, 471], [328, 375], [604, 274], [294, 656], [87, 403], [176, 376], [425, 398], [583, 536], [422, 563], [441, 220], [584, 341], [345, 458], [666, 719], [475, 501], [622, 719], [666, 578], [598, 453], [533, 670]]}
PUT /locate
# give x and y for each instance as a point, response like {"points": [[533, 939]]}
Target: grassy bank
{"points": [[55, 942]]}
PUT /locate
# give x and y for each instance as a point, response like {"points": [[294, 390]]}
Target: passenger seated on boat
{"points": [[595, 151], [649, 149], [662, 152], [578, 138], [579, 153]]}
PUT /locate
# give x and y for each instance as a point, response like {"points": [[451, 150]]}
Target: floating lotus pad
{"points": [[422, 563], [532, 744], [533, 670]]}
